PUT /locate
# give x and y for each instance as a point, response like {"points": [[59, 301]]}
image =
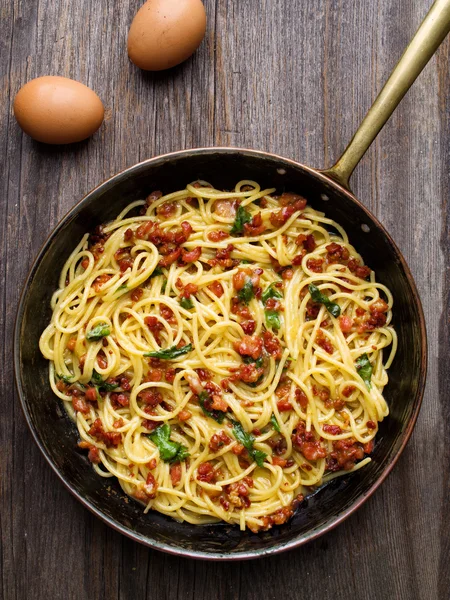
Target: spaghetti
{"points": [[221, 352]]}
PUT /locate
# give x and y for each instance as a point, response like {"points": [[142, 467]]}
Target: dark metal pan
{"points": [[327, 190]]}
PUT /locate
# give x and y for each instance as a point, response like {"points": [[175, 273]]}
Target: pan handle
{"points": [[424, 44]]}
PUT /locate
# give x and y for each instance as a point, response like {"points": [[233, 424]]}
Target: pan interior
{"points": [[57, 435]]}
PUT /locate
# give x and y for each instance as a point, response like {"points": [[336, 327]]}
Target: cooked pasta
{"points": [[221, 352]]}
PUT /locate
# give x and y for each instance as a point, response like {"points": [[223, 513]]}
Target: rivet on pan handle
{"points": [[424, 44]]}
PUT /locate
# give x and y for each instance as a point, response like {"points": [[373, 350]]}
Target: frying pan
{"points": [[326, 190]]}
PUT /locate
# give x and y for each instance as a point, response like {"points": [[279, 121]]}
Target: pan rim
{"points": [[198, 554]]}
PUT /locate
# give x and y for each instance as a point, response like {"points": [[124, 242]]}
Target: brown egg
{"points": [[58, 110], [164, 33]]}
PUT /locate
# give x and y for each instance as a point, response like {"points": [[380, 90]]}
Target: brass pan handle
{"points": [[424, 44]]}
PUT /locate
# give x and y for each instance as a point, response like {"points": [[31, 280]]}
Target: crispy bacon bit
{"points": [[216, 288], [345, 323], [167, 314], [379, 306], [166, 210], [150, 425], [186, 290], [100, 281], [376, 318], [223, 258], [239, 280], [247, 373], [119, 400], [79, 405], [344, 455], [279, 462], [142, 232], [291, 203], [150, 486], [184, 415], [332, 429], [255, 226], [360, 271], [203, 374], [348, 390], [128, 235], [324, 342], [371, 425], [190, 256], [94, 455], [315, 264], [85, 263], [152, 197], [322, 393], [226, 208], [107, 437], [91, 394], [170, 258], [152, 464], [206, 473], [154, 375], [237, 449], [272, 345], [237, 494], [360, 311], [301, 398], [248, 327], [170, 375], [284, 405], [119, 423], [218, 440], [150, 397], [287, 274], [136, 294], [71, 344], [312, 310], [249, 346], [305, 442], [175, 474], [218, 403], [217, 235], [336, 253]]}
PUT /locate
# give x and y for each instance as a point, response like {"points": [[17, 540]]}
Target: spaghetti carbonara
{"points": [[221, 353]]}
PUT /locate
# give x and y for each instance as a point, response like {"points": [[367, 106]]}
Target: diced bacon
{"points": [[218, 403], [217, 235], [79, 405], [360, 271], [248, 327], [345, 323], [225, 208], [249, 346], [100, 281], [348, 390], [216, 288], [332, 429], [167, 314], [175, 474], [150, 486], [166, 210], [143, 231], [323, 341], [119, 400], [136, 294], [379, 306], [184, 415], [247, 373], [218, 440], [279, 462], [91, 394], [150, 397], [152, 197], [315, 264], [284, 405], [170, 258], [336, 253], [255, 227], [108, 438], [94, 455], [272, 345], [301, 398], [205, 472], [305, 442], [344, 455], [71, 344], [191, 255]]}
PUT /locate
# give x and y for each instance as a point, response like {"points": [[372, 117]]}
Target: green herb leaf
{"points": [[247, 440], [317, 296], [274, 422], [271, 292], [67, 380], [122, 287], [170, 353], [186, 303], [169, 451], [98, 332], [242, 217], [272, 319], [156, 271], [246, 293], [244, 261], [97, 380], [217, 415], [365, 369], [250, 360]]}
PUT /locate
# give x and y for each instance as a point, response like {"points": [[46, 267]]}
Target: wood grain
{"points": [[293, 78]]}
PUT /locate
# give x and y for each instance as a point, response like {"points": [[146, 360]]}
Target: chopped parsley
{"points": [[365, 369], [98, 332], [242, 217], [169, 451], [271, 292], [170, 353], [246, 293], [317, 296], [186, 303], [272, 319], [275, 423], [217, 415], [247, 440]]}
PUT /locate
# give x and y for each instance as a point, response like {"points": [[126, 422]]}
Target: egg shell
{"points": [[164, 33], [58, 110]]}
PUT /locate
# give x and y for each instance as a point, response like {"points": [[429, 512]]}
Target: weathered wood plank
{"points": [[293, 78]]}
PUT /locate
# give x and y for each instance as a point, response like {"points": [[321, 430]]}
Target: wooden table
{"points": [[286, 76]]}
